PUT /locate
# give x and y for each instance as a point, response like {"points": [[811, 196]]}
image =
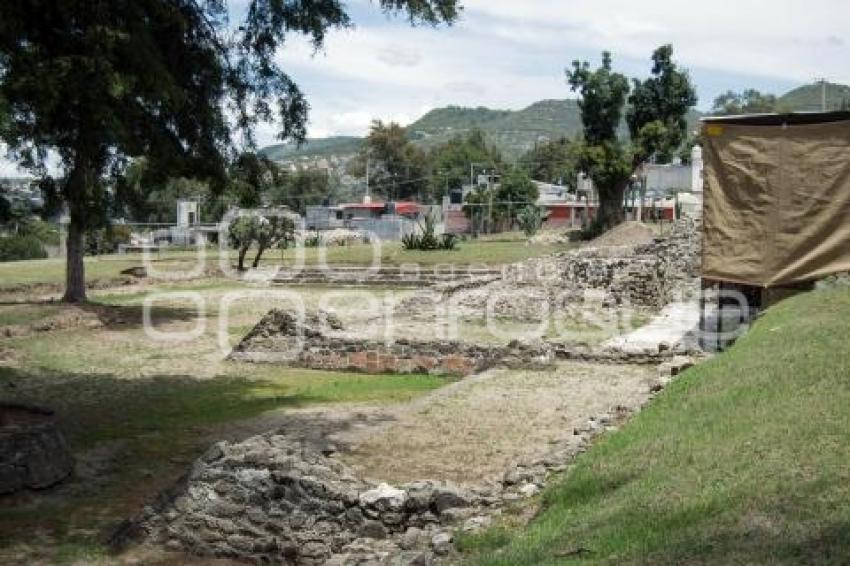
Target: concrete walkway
{"points": [[675, 324]]}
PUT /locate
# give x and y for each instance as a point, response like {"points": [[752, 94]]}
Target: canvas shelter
{"points": [[776, 206]]}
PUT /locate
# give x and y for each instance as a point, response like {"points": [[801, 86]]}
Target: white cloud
{"points": [[505, 53], [508, 54], [791, 39]]}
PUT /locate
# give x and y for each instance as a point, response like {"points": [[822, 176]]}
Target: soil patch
{"points": [[626, 234], [471, 432]]}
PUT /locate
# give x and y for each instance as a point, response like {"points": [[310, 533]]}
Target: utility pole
{"points": [[368, 198], [822, 82]]}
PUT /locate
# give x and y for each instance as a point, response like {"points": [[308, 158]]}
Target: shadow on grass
{"points": [[131, 438], [54, 315], [102, 407]]}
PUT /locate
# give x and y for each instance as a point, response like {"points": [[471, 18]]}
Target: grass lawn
{"points": [[137, 411], [745, 459], [507, 248]]}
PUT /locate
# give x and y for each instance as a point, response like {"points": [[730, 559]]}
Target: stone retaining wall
{"points": [[320, 343]]}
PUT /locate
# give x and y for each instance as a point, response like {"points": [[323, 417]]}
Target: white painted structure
{"points": [[187, 213]]}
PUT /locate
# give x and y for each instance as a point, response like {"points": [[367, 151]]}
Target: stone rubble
{"points": [[275, 499], [319, 342]]}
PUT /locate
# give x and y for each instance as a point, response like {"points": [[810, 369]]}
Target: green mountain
{"points": [[516, 131], [314, 148], [512, 131], [809, 98]]}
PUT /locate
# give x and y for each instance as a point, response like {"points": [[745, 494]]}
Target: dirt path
{"points": [[470, 432]]}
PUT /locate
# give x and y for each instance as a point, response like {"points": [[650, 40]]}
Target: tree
{"points": [[657, 109], [655, 119], [266, 231], [449, 163], [396, 167], [554, 161], [300, 189], [96, 84], [157, 200], [515, 191], [251, 178], [272, 231], [530, 219], [475, 208], [750, 101]]}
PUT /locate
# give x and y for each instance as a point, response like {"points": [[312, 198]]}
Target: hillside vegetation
{"points": [[314, 148], [514, 132], [742, 460], [808, 98]]}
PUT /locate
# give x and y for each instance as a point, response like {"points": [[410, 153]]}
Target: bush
{"points": [[15, 248], [44, 232], [106, 240], [428, 240], [530, 219]]}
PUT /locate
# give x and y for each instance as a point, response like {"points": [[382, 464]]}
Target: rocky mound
{"points": [[626, 234], [272, 499]]}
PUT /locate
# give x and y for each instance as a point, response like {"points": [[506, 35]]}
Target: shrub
{"points": [[530, 219], [428, 240], [44, 232], [15, 248]]}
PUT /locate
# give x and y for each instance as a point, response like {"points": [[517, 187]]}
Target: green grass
{"points": [[153, 406], [157, 425], [507, 248], [742, 460], [25, 314]]}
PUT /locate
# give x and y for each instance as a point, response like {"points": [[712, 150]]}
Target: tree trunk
{"points": [[75, 271], [610, 211], [240, 266], [260, 251]]}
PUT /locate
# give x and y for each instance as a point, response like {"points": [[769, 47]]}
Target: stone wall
{"points": [[645, 275], [321, 343]]}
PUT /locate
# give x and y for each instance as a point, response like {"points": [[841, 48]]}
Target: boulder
{"points": [[384, 498]]}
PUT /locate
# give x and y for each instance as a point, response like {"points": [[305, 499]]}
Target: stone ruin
{"points": [[33, 452], [644, 275], [320, 342], [274, 499]]}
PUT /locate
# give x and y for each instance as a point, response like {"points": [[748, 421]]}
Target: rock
{"points": [[423, 559], [314, 549], [374, 529], [441, 542], [412, 538], [384, 498], [33, 452], [474, 524], [679, 364], [529, 490], [454, 515], [449, 497], [511, 476]]}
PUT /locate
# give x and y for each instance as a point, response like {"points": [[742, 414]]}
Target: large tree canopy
{"points": [[655, 117], [396, 168], [750, 101], [450, 162], [96, 82]]}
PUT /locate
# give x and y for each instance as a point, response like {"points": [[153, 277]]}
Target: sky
{"points": [[511, 53]]}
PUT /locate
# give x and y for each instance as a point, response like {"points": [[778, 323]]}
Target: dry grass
{"points": [[474, 430]]}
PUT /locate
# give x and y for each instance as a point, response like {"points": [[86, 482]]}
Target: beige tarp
{"points": [[776, 203]]}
